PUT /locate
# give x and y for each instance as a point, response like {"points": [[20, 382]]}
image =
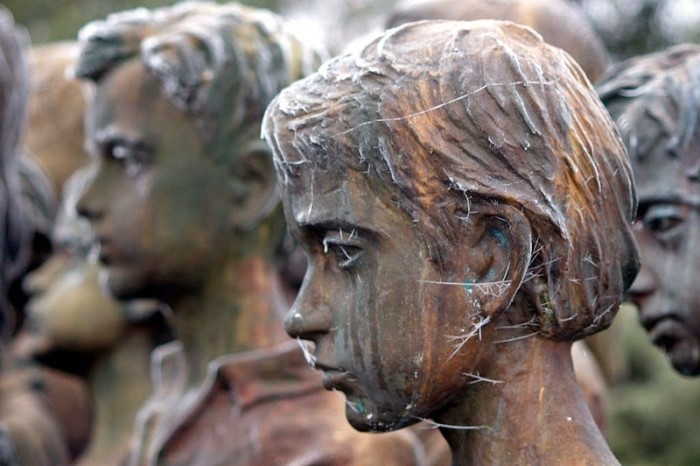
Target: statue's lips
{"points": [[335, 379], [666, 333], [680, 345]]}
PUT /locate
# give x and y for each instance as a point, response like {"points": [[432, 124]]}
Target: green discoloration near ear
{"points": [[548, 317], [500, 237]]}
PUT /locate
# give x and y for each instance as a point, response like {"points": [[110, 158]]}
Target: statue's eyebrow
{"points": [[321, 227], [113, 136], [671, 198]]}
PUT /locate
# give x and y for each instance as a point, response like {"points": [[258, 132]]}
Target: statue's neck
{"points": [[239, 308], [537, 415], [119, 383]]}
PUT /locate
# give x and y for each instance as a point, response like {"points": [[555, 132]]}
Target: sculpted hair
{"points": [[222, 64], [14, 80], [660, 91], [444, 116]]}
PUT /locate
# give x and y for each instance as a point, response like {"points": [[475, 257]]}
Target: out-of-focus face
{"points": [[68, 310], [667, 229], [384, 320], [158, 204]]}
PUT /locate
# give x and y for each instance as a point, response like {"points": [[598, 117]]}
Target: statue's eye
{"points": [[665, 221], [132, 159], [345, 247]]}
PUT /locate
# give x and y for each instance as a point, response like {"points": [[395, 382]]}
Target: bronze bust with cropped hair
{"points": [[465, 203]]}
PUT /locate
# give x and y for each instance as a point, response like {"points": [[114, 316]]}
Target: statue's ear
{"points": [[254, 186], [499, 255]]}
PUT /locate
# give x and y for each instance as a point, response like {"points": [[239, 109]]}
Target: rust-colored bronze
{"points": [[465, 204], [654, 100], [562, 23], [186, 209], [280, 415]]}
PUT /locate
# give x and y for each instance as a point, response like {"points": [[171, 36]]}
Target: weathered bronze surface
{"points": [[281, 415], [654, 100], [562, 23], [465, 204], [186, 209]]}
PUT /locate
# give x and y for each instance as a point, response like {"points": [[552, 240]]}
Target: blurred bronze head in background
{"points": [[175, 128], [69, 311], [561, 23], [74, 325], [465, 204], [14, 84], [655, 101]]}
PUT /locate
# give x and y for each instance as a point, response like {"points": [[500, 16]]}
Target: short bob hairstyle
{"points": [[450, 115]]}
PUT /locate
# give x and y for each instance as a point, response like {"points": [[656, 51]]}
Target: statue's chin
{"points": [[685, 356], [373, 419]]}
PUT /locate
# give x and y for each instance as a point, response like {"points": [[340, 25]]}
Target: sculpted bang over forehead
{"points": [[319, 122]]}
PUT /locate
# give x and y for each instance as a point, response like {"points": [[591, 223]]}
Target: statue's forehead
{"points": [[320, 197], [666, 166], [662, 177]]}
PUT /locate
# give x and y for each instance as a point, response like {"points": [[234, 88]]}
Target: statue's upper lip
{"points": [[327, 368], [666, 332], [652, 319]]}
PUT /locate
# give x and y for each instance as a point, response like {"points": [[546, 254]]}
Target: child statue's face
{"points": [[158, 202], [668, 233], [68, 310], [391, 331]]}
